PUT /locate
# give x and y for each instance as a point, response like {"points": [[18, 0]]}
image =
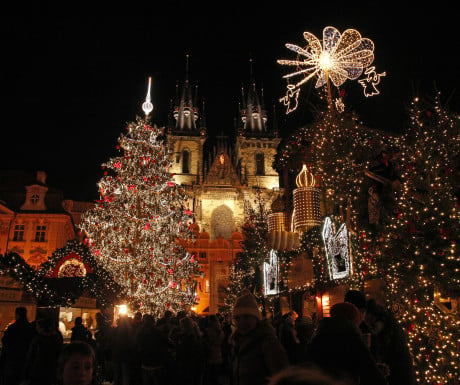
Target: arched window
{"points": [[260, 163], [222, 222], [185, 161]]}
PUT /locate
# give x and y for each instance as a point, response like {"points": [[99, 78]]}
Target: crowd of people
{"points": [[360, 343]]}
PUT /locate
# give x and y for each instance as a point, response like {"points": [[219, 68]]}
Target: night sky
{"points": [[73, 77]]}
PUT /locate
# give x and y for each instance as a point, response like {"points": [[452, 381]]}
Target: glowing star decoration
{"points": [[336, 246], [291, 99], [370, 82], [339, 57], [271, 274]]}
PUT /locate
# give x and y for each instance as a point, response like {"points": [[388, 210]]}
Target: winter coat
{"points": [[189, 358], [213, 339], [15, 345], [153, 347], [289, 340], [338, 348], [257, 355], [81, 333], [42, 357]]}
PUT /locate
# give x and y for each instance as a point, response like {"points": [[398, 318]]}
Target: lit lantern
{"points": [[307, 213]]}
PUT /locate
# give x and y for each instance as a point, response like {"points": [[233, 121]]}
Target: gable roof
{"points": [[222, 172]]}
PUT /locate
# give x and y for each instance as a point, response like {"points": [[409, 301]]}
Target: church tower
{"points": [[256, 144], [187, 135]]}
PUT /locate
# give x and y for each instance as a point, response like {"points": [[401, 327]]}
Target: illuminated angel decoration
{"points": [[337, 58]]}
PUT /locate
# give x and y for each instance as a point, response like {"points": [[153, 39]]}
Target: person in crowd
{"points": [[213, 339], [153, 348], [389, 345], [190, 358], [257, 354], [122, 351], [44, 350], [167, 322], [338, 348], [103, 348], [305, 328], [80, 332], [76, 364], [357, 298], [295, 375], [227, 328], [288, 336], [135, 365], [15, 345]]}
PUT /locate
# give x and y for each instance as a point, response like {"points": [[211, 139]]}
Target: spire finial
{"points": [[187, 67], [147, 106]]}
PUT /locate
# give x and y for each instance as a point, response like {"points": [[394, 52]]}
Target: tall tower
{"points": [[187, 135], [256, 145]]}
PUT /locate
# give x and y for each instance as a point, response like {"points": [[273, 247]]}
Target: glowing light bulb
{"points": [[325, 61]]}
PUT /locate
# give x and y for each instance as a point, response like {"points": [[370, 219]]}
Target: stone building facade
{"points": [[221, 177]]}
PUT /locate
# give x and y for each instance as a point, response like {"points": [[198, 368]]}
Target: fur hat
{"points": [[246, 304], [346, 310]]}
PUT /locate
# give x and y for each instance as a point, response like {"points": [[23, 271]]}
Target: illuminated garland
{"points": [[18, 268], [99, 283]]}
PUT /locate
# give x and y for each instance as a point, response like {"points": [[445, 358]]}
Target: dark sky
{"points": [[73, 76]]}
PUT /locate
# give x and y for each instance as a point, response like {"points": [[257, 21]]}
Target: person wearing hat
{"points": [[257, 354]]}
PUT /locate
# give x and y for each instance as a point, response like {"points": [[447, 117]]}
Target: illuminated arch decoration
{"points": [[72, 267], [336, 247], [271, 274]]}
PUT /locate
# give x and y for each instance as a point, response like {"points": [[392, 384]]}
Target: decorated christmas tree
{"points": [[134, 228], [424, 265], [246, 269]]}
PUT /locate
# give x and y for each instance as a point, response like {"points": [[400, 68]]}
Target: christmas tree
{"points": [[134, 228], [424, 265], [246, 269]]}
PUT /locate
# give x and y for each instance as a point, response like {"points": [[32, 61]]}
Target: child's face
{"points": [[78, 370]]}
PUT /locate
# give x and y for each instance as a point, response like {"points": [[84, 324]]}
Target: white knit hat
{"points": [[246, 304]]}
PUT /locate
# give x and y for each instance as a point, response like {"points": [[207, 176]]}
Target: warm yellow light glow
{"points": [[325, 61], [122, 309]]}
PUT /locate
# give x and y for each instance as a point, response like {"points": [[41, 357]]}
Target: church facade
{"points": [[221, 177]]}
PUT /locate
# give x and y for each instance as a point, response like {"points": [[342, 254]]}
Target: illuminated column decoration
{"points": [[271, 274], [277, 220], [336, 246], [307, 213]]}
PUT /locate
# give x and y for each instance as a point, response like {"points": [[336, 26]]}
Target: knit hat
{"points": [[346, 310], [246, 304]]}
